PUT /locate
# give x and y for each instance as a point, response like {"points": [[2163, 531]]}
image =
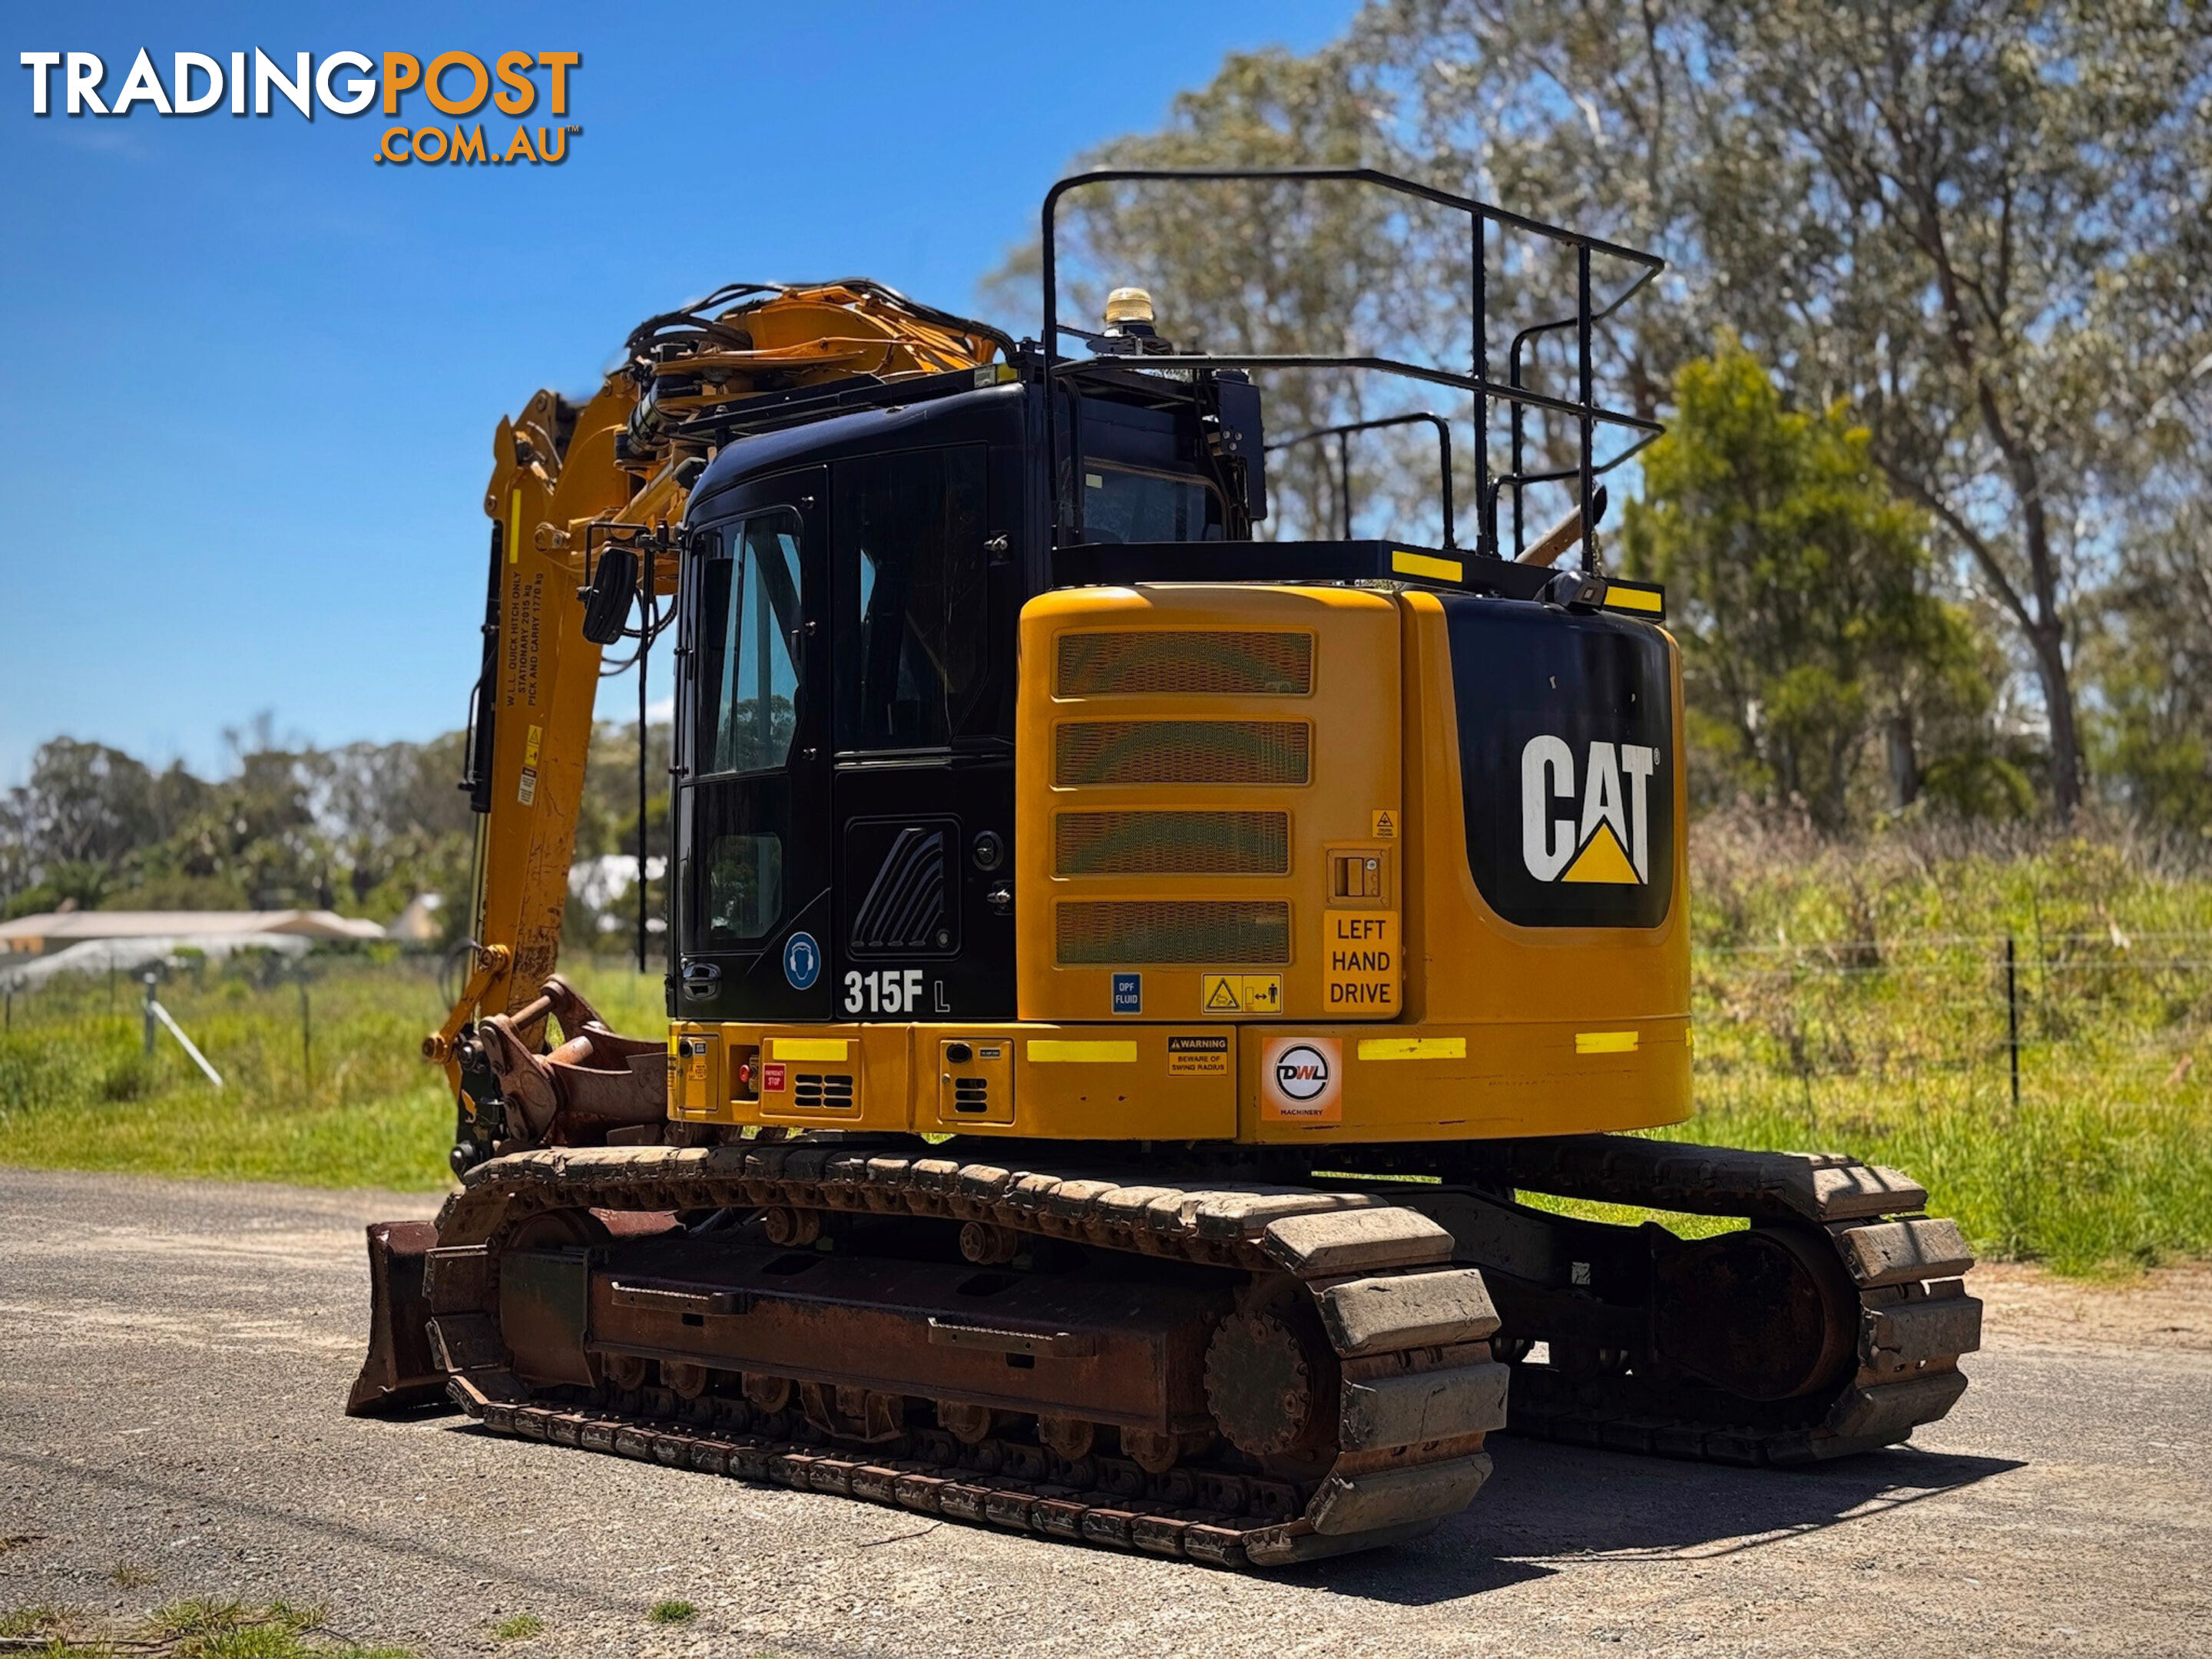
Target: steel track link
{"points": [[1417, 1386], [1915, 1318]]}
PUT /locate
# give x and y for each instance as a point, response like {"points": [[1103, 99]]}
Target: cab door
{"points": [[923, 787], [752, 806]]}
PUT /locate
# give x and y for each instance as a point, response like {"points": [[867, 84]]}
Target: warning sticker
{"points": [[1240, 993], [772, 1077], [1359, 961], [1302, 1080], [1198, 1056], [1383, 825]]}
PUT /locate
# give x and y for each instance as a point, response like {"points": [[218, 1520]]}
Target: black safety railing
{"points": [[1583, 409], [1345, 431]]}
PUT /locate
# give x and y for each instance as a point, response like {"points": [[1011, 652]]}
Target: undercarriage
{"points": [[1232, 1358]]}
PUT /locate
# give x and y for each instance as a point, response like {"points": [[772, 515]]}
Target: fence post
{"points": [[150, 1015], [2011, 1016], [307, 1041]]}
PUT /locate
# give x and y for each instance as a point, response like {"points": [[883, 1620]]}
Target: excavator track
{"points": [[1395, 1411], [1905, 1313]]}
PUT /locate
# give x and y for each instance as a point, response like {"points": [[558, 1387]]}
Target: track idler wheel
{"points": [[1766, 1313]]}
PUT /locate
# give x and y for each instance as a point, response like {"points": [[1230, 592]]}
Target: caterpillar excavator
{"points": [[1137, 991]]}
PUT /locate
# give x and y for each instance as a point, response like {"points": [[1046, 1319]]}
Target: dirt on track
{"points": [[172, 1358]]}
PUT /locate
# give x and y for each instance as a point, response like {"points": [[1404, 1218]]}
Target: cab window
{"points": [[750, 619], [1120, 504], [914, 631]]}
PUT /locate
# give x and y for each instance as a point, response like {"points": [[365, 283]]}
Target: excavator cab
{"points": [[845, 812]]}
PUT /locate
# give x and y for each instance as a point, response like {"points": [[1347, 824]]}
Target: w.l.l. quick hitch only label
{"points": [[1361, 964]]}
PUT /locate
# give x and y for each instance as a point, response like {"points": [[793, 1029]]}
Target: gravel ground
{"points": [[172, 1358]]}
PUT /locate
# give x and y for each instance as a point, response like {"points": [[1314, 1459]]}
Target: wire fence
{"points": [[2002, 1005], [2000, 1011]]}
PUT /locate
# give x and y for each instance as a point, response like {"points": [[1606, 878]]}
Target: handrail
{"points": [[1583, 409], [1344, 433]]}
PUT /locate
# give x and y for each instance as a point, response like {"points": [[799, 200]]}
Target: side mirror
{"points": [[607, 596]]}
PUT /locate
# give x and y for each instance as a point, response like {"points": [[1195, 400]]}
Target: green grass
{"points": [[1857, 1002], [519, 1628], [197, 1629], [671, 1612], [42, 1619], [357, 1106], [1846, 999]]}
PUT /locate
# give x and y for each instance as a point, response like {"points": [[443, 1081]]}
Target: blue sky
{"points": [[252, 376]]}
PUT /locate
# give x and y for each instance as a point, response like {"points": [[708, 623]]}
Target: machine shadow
{"points": [[1548, 1501]]}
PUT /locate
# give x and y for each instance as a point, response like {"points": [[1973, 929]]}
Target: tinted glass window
{"points": [[910, 531], [744, 887], [1123, 506], [749, 635]]}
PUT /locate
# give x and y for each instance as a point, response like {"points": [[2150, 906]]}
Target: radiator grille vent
{"points": [[1172, 843], [1168, 662], [1182, 752], [971, 1095], [816, 1092], [1164, 931]]}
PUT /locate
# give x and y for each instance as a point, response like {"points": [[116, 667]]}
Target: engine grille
{"points": [[1093, 932], [1172, 661], [1182, 752], [1171, 843]]}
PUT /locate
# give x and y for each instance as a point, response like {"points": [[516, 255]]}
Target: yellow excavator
{"points": [[1136, 990]]}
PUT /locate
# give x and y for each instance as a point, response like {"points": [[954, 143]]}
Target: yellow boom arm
{"points": [[622, 462]]}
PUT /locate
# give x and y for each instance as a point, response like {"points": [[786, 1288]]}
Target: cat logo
{"points": [[1610, 843]]}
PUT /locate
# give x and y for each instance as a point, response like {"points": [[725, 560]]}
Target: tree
{"points": [[2154, 728], [1981, 225], [1798, 588]]}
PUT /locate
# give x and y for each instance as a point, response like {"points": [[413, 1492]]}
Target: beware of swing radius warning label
{"points": [[1360, 961]]}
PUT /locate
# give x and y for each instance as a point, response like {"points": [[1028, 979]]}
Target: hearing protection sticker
{"points": [[1302, 1080], [1240, 993], [1198, 1056]]}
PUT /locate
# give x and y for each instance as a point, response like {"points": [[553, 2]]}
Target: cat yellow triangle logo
{"points": [[1602, 858]]}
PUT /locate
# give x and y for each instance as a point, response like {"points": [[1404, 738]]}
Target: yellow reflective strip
{"points": [[1413, 1047], [1052, 1052], [809, 1048], [515, 529], [1421, 564], [1605, 1042], [1632, 598]]}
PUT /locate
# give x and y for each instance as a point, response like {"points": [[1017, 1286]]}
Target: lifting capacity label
{"points": [[1360, 961]]}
